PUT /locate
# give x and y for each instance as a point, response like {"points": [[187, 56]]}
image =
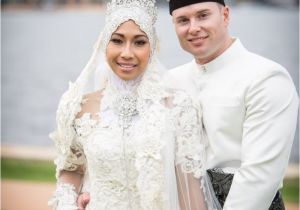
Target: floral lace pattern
{"points": [[103, 145], [64, 198], [63, 137], [142, 188], [190, 152], [126, 167]]}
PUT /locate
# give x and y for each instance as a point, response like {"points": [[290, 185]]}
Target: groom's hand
{"points": [[83, 200]]}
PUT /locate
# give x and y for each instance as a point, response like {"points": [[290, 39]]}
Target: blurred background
{"points": [[46, 43]]}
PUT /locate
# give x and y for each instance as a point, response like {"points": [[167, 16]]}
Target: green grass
{"points": [[45, 170], [32, 170], [290, 191]]}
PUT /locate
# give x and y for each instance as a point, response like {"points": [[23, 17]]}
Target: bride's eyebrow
{"points": [[118, 34], [141, 36], [136, 36]]}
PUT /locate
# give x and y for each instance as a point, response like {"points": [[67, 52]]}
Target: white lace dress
{"points": [[134, 167]]}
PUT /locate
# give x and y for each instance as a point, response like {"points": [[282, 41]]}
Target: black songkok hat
{"points": [[175, 4]]}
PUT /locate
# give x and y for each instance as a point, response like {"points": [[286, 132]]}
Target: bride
{"points": [[140, 143]]}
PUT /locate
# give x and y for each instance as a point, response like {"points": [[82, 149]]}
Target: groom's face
{"points": [[202, 29]]}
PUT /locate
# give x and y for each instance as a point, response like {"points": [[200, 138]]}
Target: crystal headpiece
{"points": [[142, 12], [147, 6]]}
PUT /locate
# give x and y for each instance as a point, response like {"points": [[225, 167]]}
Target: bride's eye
{"points": [[140, 42], [116, 41]]}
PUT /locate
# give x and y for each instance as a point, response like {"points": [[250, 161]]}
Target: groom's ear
{"points": [[226, 15]]}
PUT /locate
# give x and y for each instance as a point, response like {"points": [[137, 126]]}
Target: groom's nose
{"points": [[195, 26]]}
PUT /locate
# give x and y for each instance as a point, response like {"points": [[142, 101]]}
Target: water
{"points": [[43, 50]]}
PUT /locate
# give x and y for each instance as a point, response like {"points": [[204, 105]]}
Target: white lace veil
{"points": [[96, 74]]}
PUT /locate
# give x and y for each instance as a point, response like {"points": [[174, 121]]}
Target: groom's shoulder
{"points": [[179, 71], [179, 76]]}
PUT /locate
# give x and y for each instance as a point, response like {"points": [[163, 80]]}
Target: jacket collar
{"points": [[230, 55]]}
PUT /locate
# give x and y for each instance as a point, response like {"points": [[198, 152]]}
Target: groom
{"points": [[249, 103]]}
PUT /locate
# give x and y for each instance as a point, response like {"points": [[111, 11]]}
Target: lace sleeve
{"points": [[69, 151], [194, 190], [190, 147], [71, 155], [69, 169], [71, 160]]}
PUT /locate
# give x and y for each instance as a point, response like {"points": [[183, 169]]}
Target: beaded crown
{"points": [[147, 5]]}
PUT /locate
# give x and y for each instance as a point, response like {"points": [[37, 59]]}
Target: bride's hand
{"points": [[83, 200]]}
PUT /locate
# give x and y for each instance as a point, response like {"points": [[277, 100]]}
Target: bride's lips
{"points": [[126, 66]]}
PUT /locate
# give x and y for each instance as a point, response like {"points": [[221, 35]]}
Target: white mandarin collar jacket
{"points": [[250, 107]]}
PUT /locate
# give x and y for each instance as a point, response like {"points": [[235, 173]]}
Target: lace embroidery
{"points": [[63, 137], [85, 125], [144, 156], [190, 152], [67, 109], [145, 160], [64, 198]]}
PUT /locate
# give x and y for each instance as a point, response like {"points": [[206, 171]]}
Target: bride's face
{"points": [[128, 51]]}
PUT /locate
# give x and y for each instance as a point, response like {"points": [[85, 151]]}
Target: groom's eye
{"points": [[203, 15], [182, 21]]}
